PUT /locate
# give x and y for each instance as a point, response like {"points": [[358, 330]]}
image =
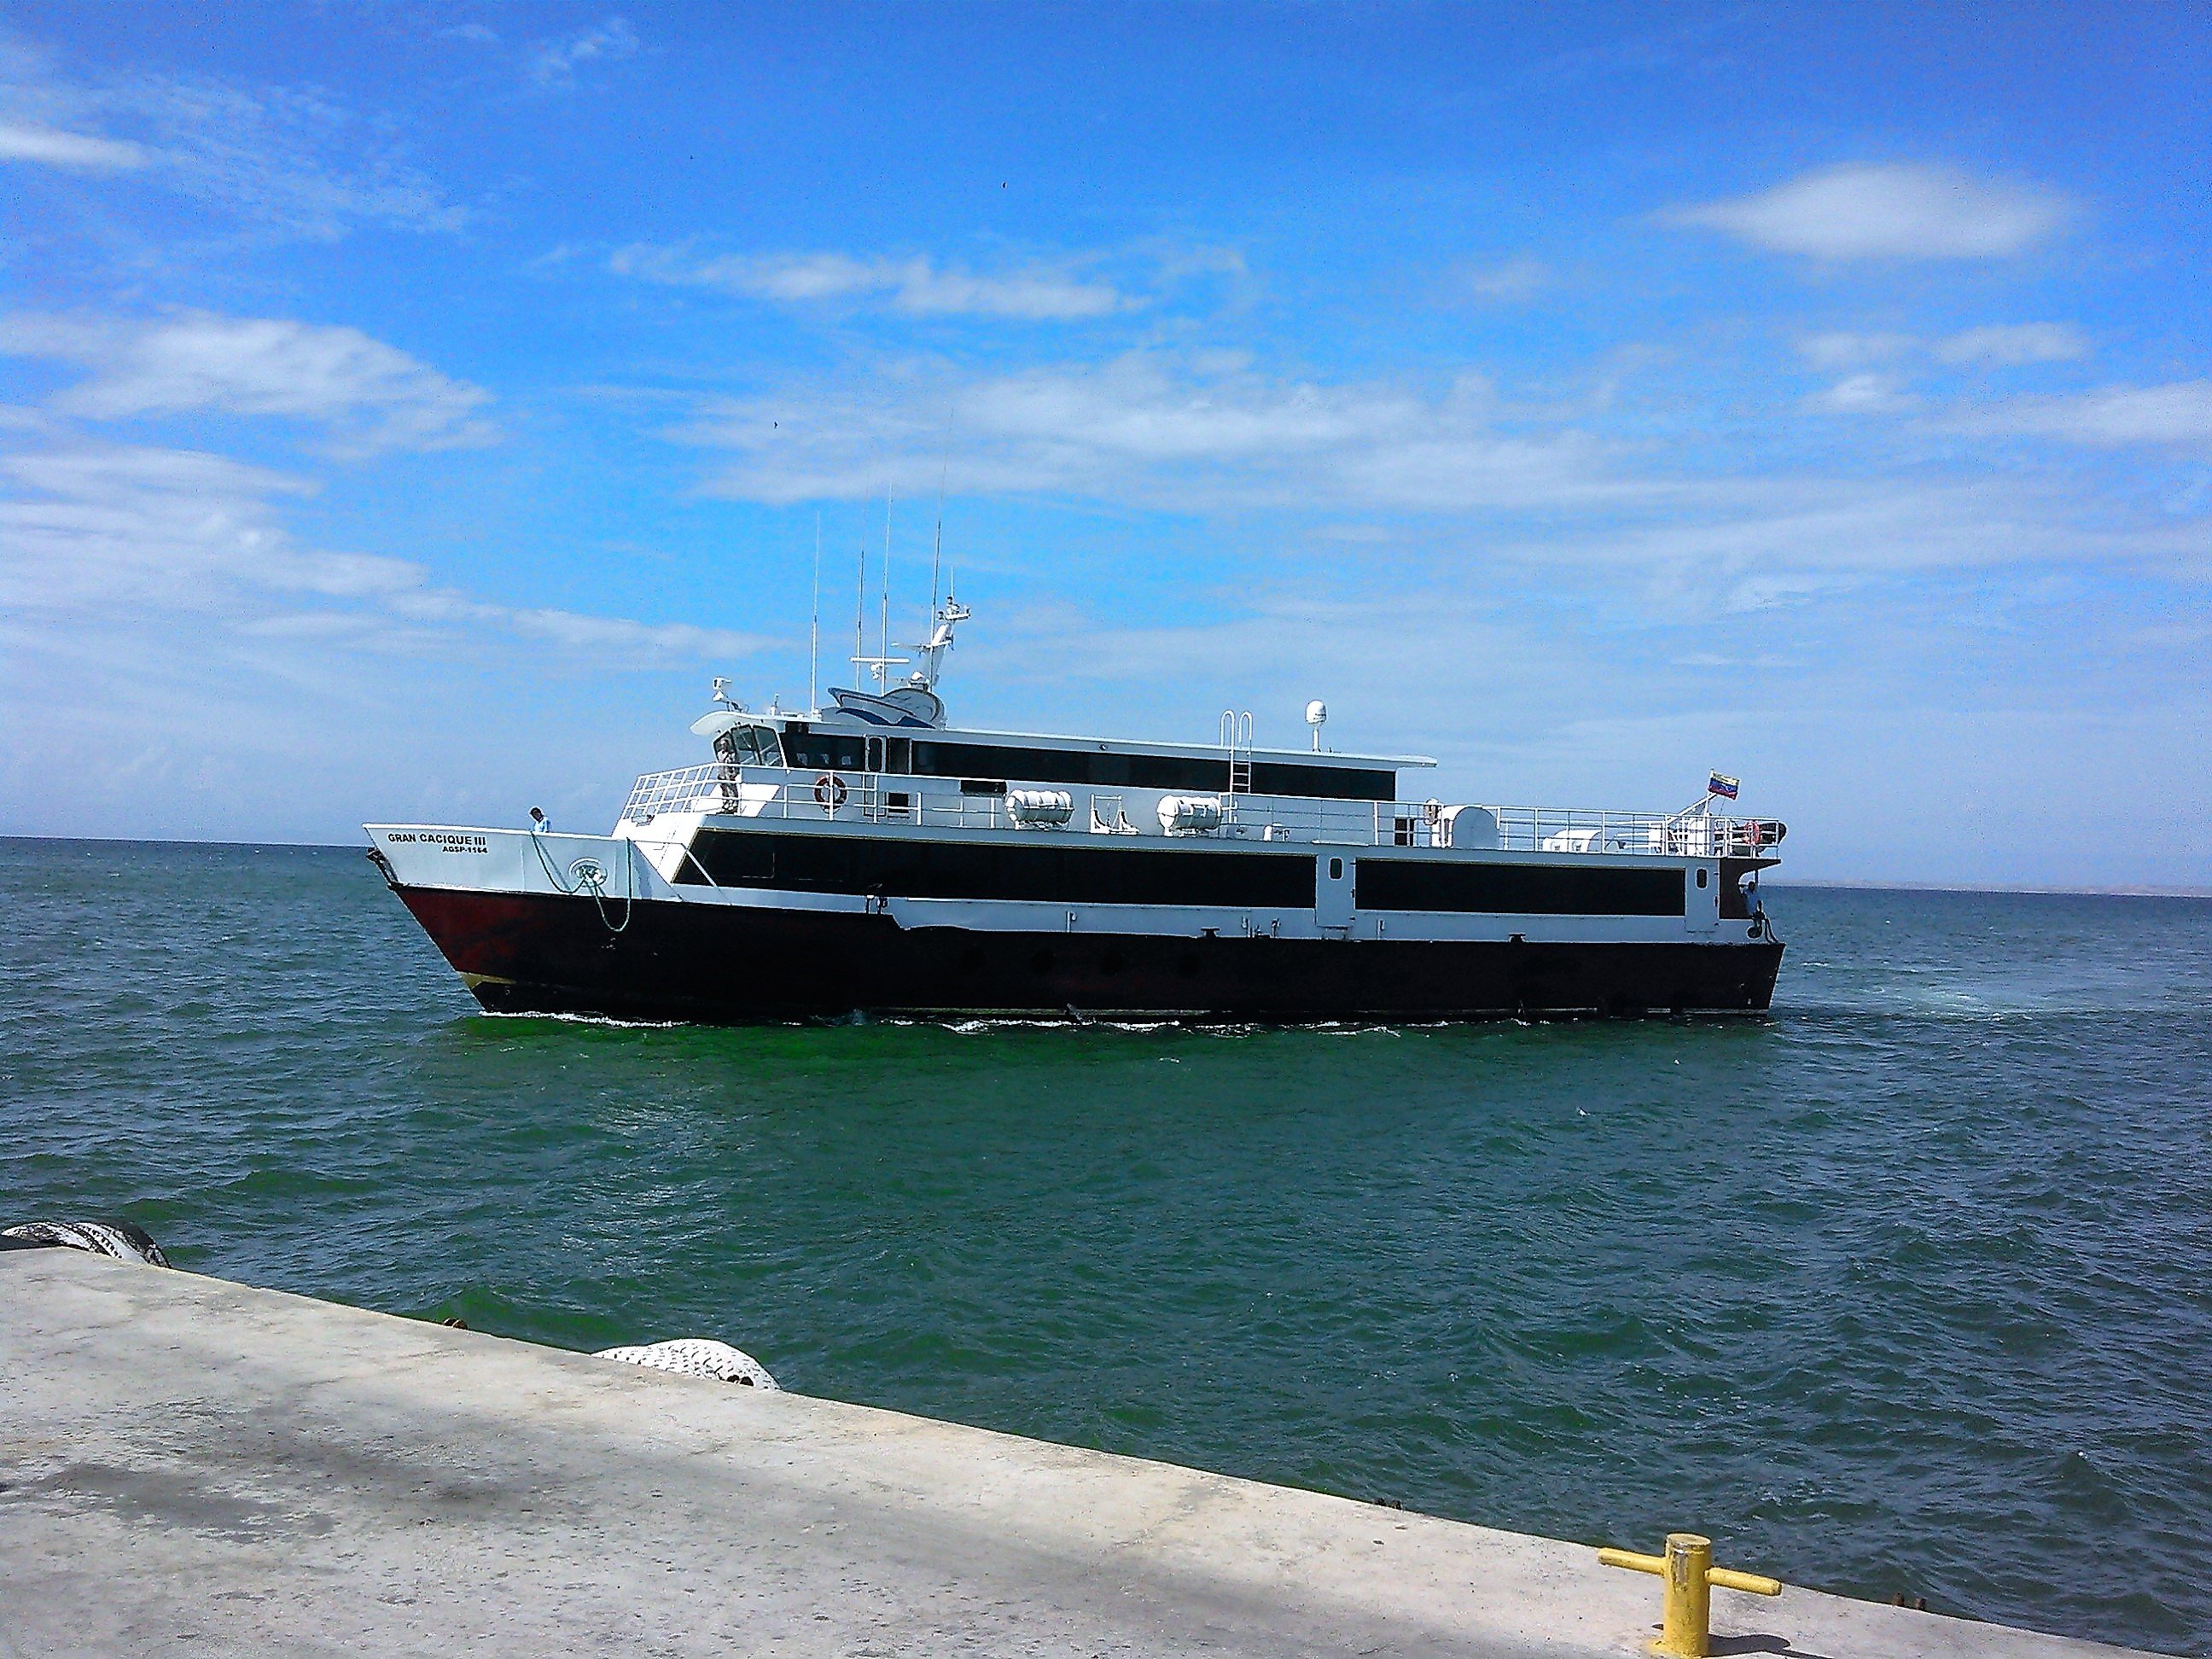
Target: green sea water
{"points": [[1907, 1288]]}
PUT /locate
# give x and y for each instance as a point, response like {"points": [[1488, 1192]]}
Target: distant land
{"points": [[2145, 890]]}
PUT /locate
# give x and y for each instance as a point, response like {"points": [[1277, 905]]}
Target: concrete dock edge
{"points": [[188, 1464]]}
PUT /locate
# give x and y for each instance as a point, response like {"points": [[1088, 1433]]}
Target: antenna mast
{"points": [[860, 608], [883, 662], [814, 623], [884, 646], [937, 552]]}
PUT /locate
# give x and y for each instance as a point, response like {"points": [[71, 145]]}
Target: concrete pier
{"points": [[189, 1465]]}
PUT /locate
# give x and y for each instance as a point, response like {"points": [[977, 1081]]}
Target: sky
{"points": [[405, 410]]}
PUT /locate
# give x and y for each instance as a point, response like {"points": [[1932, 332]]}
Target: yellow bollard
{"points": [[1685, 1614], [1686, 1618]]}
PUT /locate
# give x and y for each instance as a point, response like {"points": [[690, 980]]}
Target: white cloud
{"points": [[369, 396], [1894, 210], [617, 636], [1515, 283], [2178, 415], [914, 284], [284, 161], [2014, 344], [19, 142], [2006, 344], [1523, 491], [1860, 394], [89, 530], [98, 527], [1135, 411], [1140, 429], [554, 63], [1839, 349], [1806, 535], [1871, 390]]}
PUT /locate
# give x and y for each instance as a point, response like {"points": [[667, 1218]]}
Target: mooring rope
{"points": [[597, 888]]}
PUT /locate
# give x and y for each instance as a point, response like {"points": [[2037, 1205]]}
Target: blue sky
{"points": [[404, 411]]}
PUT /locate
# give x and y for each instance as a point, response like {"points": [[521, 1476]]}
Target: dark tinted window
{"points": [[1193, 772], [1323, 782], [1546, 890], [977, 760], [824, 752], [1172, 771], [816, 750], [1063, 874]]}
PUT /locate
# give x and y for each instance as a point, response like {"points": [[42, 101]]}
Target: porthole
{"points": [[1336, 869], [1701, 877]]}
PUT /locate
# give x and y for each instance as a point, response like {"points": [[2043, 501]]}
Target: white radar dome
{"points": [[1316, 711]]}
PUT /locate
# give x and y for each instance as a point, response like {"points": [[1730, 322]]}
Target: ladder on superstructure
{"points": [[1236, 743]]}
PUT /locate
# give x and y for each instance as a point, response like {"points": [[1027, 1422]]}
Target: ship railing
{"points": [[1676, 835], [760, 791], [769, 792], [686, 789]]}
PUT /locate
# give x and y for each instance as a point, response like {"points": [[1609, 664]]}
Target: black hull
{"points": [[523, 953]]}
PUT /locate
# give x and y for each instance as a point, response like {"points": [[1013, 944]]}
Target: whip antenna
{"points": [[884, 646], [937, 553], [860, 607], [814, 622]]}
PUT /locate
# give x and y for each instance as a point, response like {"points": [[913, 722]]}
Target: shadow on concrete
{"points": [[1731, 1644]]}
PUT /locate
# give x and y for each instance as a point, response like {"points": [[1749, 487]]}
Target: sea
{"points": [[1904, 1289]]}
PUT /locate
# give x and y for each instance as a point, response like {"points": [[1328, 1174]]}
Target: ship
{"points": [[867, 857]]}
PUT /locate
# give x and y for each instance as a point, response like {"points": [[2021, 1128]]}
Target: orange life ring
{"points": [[829, 790]]}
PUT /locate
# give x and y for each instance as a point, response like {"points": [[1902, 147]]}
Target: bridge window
{"points": [[749, 745]]}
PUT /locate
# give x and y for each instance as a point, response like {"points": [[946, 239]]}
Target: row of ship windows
{"points": [[1074, 873], [928, 757]]}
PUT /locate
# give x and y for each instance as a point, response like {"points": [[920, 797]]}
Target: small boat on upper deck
{"points": [[867, 855]]}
